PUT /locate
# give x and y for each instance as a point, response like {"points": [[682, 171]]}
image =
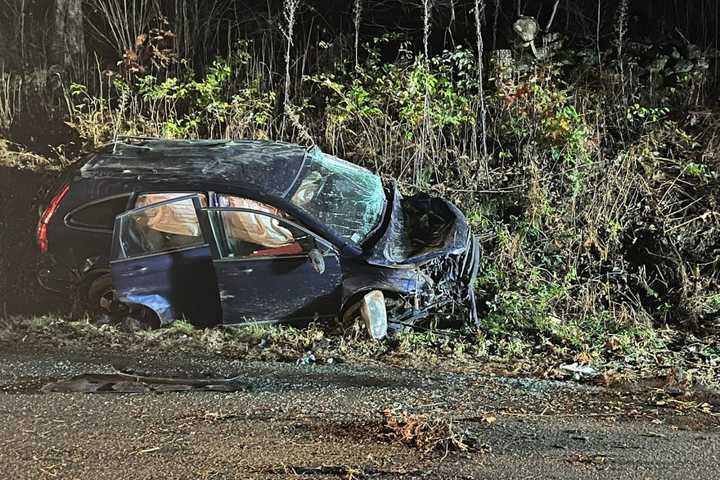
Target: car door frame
{"points": [[162, 305], [131, 202]]}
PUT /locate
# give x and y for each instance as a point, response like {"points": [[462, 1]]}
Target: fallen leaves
{"points": [[423, 433]]}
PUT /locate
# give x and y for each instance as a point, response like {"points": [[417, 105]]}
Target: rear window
{"points": [[100, 214]]}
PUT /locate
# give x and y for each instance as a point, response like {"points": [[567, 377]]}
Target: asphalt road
{"points": [[326, 421]]}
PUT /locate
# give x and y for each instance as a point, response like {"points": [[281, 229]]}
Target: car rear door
{"points": [[161, 259], [270, 269]]}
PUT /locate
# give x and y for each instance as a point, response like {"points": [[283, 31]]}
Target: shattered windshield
{"points": [[343, 196]]}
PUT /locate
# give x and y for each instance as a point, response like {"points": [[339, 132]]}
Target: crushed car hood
{"points": [[420, 228]]}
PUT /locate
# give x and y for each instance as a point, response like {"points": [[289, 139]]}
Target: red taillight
{"points": [[47, 216]]}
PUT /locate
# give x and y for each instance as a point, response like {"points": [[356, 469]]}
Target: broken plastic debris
{"points": [[134, 383], [579, 369], [307, 359]]}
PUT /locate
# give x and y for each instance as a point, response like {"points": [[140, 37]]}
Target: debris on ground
{"points": [[580, 370], [327, 422], [307, 359], [130, 383], [424, 433]]}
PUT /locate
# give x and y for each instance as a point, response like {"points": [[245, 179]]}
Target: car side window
{"points": [[233, 201], [256, 234], [146, 199], [160, 228], [98, 215]]}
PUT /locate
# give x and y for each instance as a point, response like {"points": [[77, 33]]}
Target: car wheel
{"points": [[105, 307], [370, 311], [396, 307], [102, 297]]}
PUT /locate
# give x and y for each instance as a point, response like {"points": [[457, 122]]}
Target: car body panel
{"points": [[277, 289], [196, 283], [359, 277], [175, 285], [419, 228], [270, 289]]}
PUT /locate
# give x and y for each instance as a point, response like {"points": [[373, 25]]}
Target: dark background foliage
{"points": [[206, 29]]}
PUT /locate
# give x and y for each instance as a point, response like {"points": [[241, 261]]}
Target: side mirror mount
{"points": [[317, 260]]}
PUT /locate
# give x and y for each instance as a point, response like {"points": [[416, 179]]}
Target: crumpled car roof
{"points": [[271, 167]]}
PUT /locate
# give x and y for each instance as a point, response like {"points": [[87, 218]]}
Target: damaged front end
{"points": [[450, 296], [446, 295], [429, 239]]}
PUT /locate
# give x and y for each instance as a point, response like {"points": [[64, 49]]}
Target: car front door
{"points": [[161, 259], [269, 268]]}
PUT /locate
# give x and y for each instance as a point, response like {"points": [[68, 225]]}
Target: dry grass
{"points": [[17, 158], [424, 433]]}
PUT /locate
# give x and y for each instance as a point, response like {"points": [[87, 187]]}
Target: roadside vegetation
{"points": [[589, 170], [673, 358]]}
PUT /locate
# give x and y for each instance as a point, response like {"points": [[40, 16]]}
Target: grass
{"points": [[623, 354]]}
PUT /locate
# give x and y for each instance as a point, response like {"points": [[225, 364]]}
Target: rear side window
{"points": [[98, 215], [152, 198], [160, 228]]}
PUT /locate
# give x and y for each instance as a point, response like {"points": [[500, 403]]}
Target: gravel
{"points": [[323, 421]]}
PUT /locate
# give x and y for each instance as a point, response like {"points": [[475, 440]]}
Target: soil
{"points": [[325, 421], [20, 194]]}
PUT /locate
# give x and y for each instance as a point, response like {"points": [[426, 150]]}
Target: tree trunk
{"points": [[68, 42]]}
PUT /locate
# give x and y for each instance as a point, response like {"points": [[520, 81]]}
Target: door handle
{"points": [[246, 270], [139, 269]]}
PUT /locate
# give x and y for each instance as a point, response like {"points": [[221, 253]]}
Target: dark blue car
{"points": [[247, 232]]}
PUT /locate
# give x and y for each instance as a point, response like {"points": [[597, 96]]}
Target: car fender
{"points": [[364, 279], [159, 304]]}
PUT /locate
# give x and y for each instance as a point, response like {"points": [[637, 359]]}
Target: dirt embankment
{"points": [[23, 179]]}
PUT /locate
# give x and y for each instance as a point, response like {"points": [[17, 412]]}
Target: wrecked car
{"points": [[249, 232]]}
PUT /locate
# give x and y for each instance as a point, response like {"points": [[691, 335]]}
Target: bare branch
{"points": [[552, 17]]}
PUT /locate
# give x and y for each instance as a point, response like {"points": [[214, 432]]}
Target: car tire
{"points": [[394, 305], [104, 306], [351, 314], [101, 296]]}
